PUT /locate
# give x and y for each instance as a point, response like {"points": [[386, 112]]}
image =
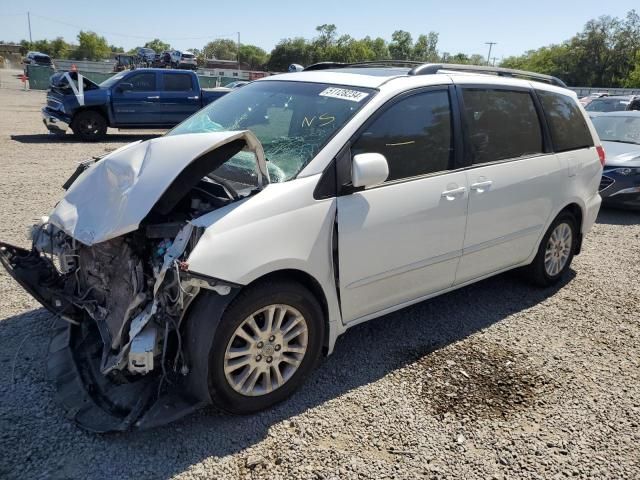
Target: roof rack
{"points": [[433, 68], [373, 63]]}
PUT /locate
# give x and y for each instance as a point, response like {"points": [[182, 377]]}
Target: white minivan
{"points": [[217, 263]]}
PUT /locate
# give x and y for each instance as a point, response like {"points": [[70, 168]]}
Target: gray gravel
{"points": [[497, 380]]}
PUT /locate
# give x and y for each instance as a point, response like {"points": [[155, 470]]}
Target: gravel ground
{"points": [[497, 380]]}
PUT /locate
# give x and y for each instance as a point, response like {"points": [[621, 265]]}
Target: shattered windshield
{"points": [[292, 120]]}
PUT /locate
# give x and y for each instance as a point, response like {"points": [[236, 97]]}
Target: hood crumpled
{"points": [[115, 194]]}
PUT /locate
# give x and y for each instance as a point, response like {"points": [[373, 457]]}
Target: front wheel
{"points": [[268, 341], [89, 126], [556, 251]]}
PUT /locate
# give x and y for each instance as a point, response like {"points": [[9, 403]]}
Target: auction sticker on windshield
{"points": [[344, 94]]}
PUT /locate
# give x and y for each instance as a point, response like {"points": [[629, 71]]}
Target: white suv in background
{"points": [[217, 263], [185, 60]]}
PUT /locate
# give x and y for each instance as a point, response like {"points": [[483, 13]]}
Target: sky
{"points": [[463, 25]]}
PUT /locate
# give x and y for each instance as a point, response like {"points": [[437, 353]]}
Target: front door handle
{"points": [[451, 194], [481, 186], [153, 98], [193, 98]]}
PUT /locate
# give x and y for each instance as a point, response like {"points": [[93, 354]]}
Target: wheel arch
{"points": [[101, 110], [312, 284], [576, 211]]}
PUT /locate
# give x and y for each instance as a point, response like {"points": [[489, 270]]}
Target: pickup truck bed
{"points": [[143, 98]]}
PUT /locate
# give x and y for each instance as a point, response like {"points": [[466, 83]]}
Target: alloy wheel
{"points": [[266, 350], [558, 249]]}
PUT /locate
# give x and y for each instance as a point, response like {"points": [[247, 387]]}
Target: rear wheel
{"points": [[267, 343], [556, 251], [89, 126]]}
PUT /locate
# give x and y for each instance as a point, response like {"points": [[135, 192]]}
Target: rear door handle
{"points": [[451, 194], [193, 98], [481, 186], [153, 98]]}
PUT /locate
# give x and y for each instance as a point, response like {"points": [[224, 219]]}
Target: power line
{"points": [[140, 37]]}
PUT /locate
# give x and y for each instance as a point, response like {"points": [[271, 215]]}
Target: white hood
{"points": [[115, 194]]}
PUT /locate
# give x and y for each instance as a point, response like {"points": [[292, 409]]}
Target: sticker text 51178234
{"points": [[344, 94]]}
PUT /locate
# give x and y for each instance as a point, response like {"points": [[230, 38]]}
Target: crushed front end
{"points": [[114, 272], [117, 352]]}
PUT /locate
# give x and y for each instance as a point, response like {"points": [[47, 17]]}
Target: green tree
{"points": [[426, 48], [59, 48], [379, 48], [91, 46], [222, 49], [401, 46], [254, 56], [157, 45], [115, 49], [288, 51]]}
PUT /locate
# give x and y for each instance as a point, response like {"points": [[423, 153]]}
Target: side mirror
{"points": [[369, 169], [125, 86]]}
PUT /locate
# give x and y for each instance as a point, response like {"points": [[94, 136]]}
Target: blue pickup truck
{"points": [[143, 98]]}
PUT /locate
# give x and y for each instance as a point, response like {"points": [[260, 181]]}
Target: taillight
{"points": [[601, 154]]}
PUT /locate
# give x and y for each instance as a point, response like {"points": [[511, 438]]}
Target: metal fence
{"points": [[85, 66], [39, 77], [586, 91]]}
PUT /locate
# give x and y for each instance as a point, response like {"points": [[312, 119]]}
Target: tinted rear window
{"points": [[608, 105], [568, 127], [175, 82], [501, 124]]}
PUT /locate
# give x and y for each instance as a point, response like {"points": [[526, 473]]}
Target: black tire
{"points": [[89, 126], [536, 272], [245, 304]]}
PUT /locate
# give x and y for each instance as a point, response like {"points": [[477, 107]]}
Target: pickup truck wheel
{"points": [[89, 126], [555, 252], [267, 343]]}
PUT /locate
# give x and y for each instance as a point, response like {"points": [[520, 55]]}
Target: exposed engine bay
{"points": [[121, 303]]}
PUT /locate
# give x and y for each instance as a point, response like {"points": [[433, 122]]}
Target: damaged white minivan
{"points": [[217, 263]]}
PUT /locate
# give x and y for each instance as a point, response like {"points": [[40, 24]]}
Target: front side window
{"points": [[142, 82], [501, 124], [414, 135], [292, 120], [176, 82], [568, 127]]}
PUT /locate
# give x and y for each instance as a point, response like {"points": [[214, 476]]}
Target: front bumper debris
{"points": [[96, 402], [55, 122]]}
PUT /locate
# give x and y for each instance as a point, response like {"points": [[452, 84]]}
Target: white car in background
{"points": [[216, 264], [185, 60]]}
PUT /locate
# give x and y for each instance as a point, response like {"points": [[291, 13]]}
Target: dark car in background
{"points": [[37, 59], [620, 136], [614, 103], [146, 56]]}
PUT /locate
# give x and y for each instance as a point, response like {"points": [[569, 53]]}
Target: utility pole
{"points": [[491, 44], [493, 59], [238, 50], [29, 22]]}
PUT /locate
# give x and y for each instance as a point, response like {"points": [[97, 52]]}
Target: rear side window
{"points": [[501, 124], [414, 135], [142, 82], [568, 127], [175, 82]]}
